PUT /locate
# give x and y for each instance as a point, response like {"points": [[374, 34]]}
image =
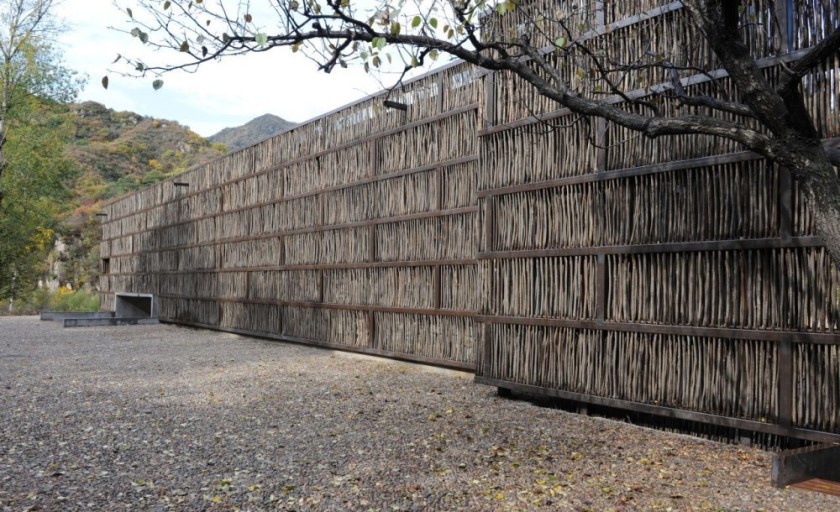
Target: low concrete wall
{"points": [[62, 315], [105, 322]]}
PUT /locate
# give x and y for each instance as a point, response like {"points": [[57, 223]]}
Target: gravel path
{"points": [[169, 418]]}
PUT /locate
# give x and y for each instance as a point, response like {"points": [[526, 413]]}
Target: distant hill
{"points": [[251, 132], [123, 151], [116, 152]]}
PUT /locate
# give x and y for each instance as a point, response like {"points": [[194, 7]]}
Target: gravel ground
{"points": [[169, 418]]}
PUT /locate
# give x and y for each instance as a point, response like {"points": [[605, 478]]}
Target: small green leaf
{"points": [[130, 14], [363, 55], [414, 61], [261, 39], [204, 51], [144, 37], [185, 47], [376, 61], [296, 47], [104, 82], [157, 84], [166, 5], [378, 42], [416, 22], [139, 66], [395, 28], [433, 22], [248, 18], [560, 42], [117, 59], [505, 7], [293, 5], [135, 32]]}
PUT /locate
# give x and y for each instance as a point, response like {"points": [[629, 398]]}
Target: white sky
{"points": [[223, 94]]}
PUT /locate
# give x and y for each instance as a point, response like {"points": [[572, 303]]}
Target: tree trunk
{"points": [[2, 151], [4, 110], [821, 184]]}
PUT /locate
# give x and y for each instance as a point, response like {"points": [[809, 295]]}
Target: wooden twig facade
{"points": [[679, 276], [358, 230]]}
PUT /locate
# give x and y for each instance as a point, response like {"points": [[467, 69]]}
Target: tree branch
{"points": [[826, 48], [718, 19]]}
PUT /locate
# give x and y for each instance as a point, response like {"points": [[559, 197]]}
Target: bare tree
{"points": [[555, 47]]}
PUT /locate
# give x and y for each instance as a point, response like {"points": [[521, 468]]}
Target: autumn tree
{"points": [[555, 48], [30, 64], [36, 184], [33, 133]]}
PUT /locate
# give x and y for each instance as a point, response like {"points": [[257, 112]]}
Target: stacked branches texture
{"points": [[484, 229]]}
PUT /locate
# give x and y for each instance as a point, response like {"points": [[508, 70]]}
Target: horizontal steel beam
{"points": [[443, 363], [667, 412], [710, 245], [823, 338]]}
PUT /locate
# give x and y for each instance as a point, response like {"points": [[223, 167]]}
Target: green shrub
{"points": [[73, 300], [63, 299]]}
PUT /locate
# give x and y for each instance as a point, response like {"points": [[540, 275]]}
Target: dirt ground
{"points": [[170, 418]]}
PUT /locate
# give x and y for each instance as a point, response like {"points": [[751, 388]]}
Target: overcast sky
{"points": [[218, 95]]}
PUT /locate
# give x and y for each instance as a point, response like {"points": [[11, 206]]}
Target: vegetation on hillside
{"points": [[123, 151], [63, 161], [60, 160], [115, 153], [34, 169]]}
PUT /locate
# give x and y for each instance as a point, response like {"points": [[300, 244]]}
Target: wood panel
{"points": [[486, 228]]}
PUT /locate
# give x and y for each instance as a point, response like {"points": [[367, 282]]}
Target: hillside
{"points": [[122, 151], [251, 132], [118, 152]]}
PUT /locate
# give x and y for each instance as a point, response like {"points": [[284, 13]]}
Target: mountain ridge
{"points": [[122, 151], [248, 134]]}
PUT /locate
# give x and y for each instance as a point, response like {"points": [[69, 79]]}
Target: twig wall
{"points": [[324, 232], [553, 254]]}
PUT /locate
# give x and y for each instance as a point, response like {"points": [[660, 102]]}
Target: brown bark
{"points": [[782, 112], [820, 182]]}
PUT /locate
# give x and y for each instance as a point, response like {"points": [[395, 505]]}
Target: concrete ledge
{"points": [[794, 466], [61, 315], [105, 322]]}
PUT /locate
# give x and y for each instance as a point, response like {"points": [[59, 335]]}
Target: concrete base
{"points": [[106, 322], [135, 305], [794, 466], [61, 315]]}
